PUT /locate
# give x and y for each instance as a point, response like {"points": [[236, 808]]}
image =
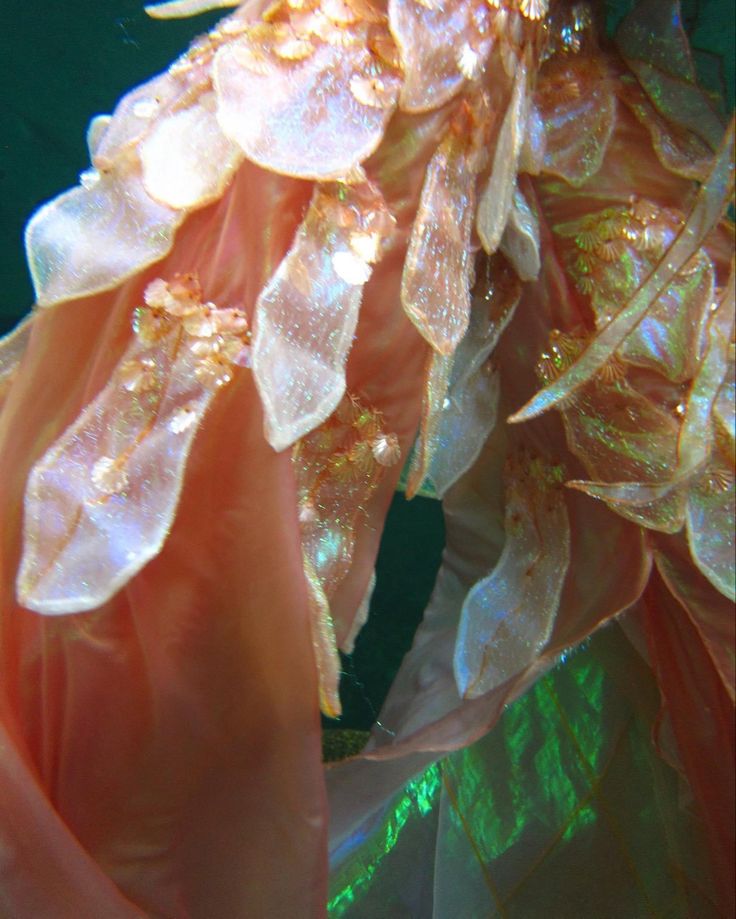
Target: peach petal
{"points": [[435, 286], [711, 524], [306, 316], [91, 238], [187, 161], [577, 104], [302, 118], [705, 213], [100, 502], [507, 618], [520, 241], [433, 71], [496, 198]]}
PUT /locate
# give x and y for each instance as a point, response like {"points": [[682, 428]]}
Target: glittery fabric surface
{"points": [[336, 238]]}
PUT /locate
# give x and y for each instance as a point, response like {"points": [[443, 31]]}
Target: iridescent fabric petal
{"points": [[497, 195], [619, 434], [704, 215], [316, 117], [133, 118], [711, 523], [436, 382], [93, 237], [324, 644], [520, 241], [699, 427], [338, 467], [435, 285], [577, 104], [432, 69], [306, 315], [679, 150], [461, 396], [507, 618], [100, 503], [177, 9], [186, 159], [611, 253]]}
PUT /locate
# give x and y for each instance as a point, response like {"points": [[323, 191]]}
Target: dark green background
{"points": [[66, 60]]}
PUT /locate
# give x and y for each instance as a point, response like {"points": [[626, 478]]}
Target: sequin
{"points": [[385, 450], [108, 476]]}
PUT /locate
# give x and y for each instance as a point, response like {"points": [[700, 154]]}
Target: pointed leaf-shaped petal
{"points": [[619, 434], [99, 504], [520, 240], [306, 316], [711, 523], [338, 467], [91, 238], [576, 101], [435, 286], [707, 208], [507, 618], [496, 197], [461, 394]]}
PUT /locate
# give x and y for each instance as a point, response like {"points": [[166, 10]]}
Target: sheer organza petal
{"points": [[697, 434], [324, 644], [507, 617], [619, 434], [460, 406], [100, 503], [432, 69], [93, 237], [306, 118], [711, 522], [178, 9], [496, 197], [611, 253], [133, 117], [704, 215], [520, 241], [678, 149], [435, 287], [306, 316], [577, 105], [338, 468], [186, 159]]}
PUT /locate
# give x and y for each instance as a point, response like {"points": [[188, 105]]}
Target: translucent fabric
{"points": [[333, 241], [568, 777]]}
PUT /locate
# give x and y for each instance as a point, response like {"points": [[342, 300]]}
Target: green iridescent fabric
{"points": [[565, 809]]}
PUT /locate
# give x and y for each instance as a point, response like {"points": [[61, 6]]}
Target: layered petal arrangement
{"points": [[338, 239]]}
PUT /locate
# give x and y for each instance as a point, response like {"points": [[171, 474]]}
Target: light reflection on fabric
{"points": [[418, 799], [565, 777]]}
